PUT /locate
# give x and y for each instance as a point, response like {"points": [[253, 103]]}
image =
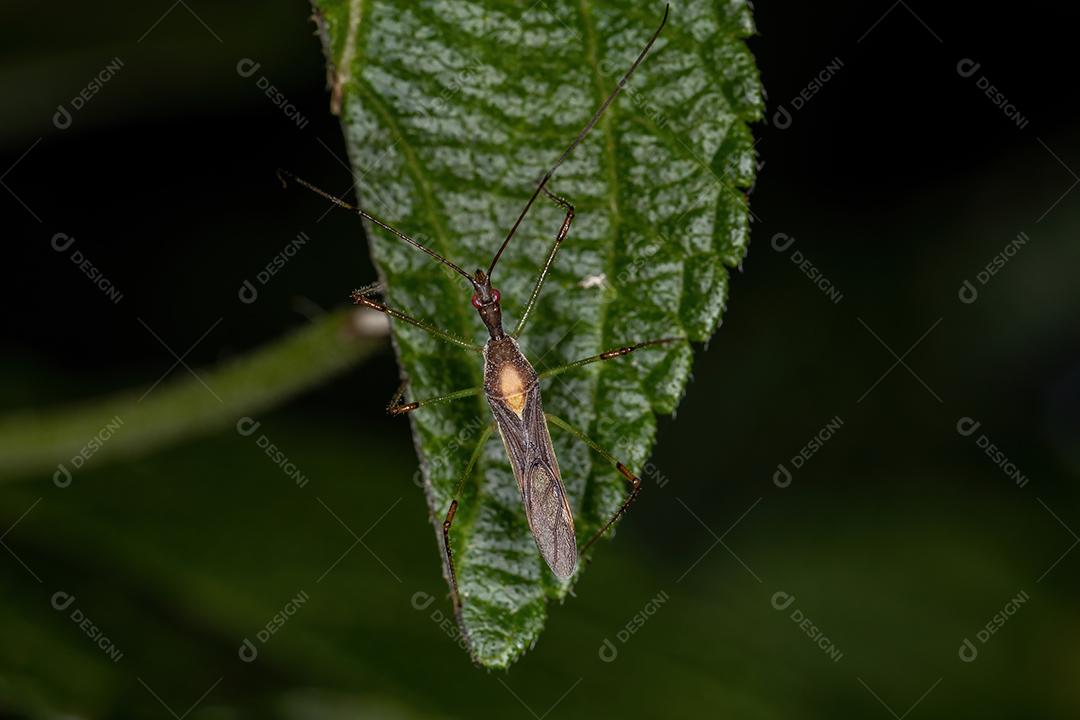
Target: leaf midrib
{"points": [[610, 163], [416, 170], [349, 50]]}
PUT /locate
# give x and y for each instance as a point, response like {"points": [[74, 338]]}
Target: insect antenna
{"points": [[284, 176], [581, 136]]}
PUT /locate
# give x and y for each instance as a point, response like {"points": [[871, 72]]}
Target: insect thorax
{"points": [[508, 376]]}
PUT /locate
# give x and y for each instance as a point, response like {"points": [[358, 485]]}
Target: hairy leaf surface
{"points": [[451, 112]]}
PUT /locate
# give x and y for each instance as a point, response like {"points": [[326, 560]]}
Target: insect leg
{"points": [[449, 520], [285, 176], [609, 355], [397, 407], [559, 237], [577, 141], [631, 478], [363, 297]]}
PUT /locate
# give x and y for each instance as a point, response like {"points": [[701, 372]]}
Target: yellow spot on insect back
{"points": [[512, 388]]}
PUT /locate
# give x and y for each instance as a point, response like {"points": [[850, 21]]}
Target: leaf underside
{"points": [[451, 111]]}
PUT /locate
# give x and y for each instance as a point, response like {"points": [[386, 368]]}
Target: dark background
{"points": [[899, 179]]}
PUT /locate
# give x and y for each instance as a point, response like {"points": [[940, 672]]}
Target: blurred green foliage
{"points": [[177, 572]]}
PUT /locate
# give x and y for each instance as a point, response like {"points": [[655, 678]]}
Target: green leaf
{"points": [[451, 111]]}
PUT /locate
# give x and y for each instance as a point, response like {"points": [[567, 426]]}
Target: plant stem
{"points": [[138, 421]]}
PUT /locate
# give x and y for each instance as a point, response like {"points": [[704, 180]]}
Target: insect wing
{"points": [[528, 444]]}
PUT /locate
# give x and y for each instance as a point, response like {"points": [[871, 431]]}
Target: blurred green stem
{"points": [[138, 421]]}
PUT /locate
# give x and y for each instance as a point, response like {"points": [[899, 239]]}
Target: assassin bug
{"points": [[511, 385]]}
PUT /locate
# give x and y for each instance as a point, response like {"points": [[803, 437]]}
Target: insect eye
{"points": [[495, 295], [476, 301]]}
